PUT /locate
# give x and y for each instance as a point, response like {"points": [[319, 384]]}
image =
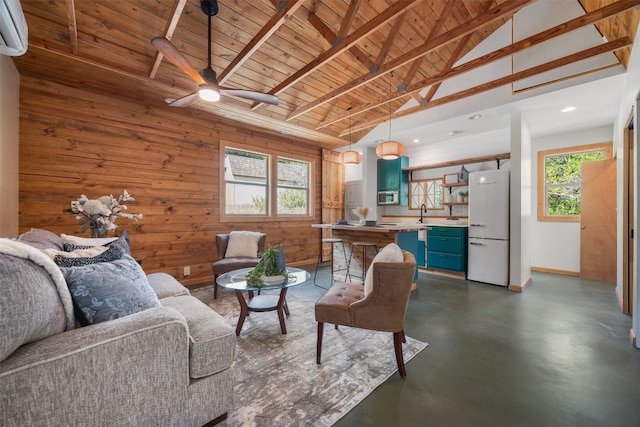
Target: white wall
{"points": [[520, 215], [556, 245], [9, 146]]}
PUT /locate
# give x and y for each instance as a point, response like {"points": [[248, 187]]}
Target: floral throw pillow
{"points": [[109, 290]]}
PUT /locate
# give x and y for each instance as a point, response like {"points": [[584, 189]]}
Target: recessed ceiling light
{"points": [[475, 116], [455, 132], [416, 140], [567, 109]]}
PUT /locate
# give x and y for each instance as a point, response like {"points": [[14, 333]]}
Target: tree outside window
{"points": [[560, 181], [293, 187]]}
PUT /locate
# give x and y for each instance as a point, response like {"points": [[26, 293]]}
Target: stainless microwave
{"points": [[388, 197]]}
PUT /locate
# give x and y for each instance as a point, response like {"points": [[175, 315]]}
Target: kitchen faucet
{"points": [[423, 209]]}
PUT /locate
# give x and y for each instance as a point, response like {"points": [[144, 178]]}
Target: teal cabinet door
{"points": [[392, 178], [408, 241], [447, 248]]}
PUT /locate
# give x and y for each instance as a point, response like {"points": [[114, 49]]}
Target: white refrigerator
{"points": [[488, 246]]}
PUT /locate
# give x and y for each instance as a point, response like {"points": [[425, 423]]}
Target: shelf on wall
{"points": [[456, 184], [496, 157]]}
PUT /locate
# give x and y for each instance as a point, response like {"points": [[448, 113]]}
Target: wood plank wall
{"points": [[74, 141]]}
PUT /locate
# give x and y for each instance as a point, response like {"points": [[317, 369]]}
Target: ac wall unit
{"points": [[13, 28]]}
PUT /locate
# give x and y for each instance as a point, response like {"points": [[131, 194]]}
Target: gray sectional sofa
{"points": [[168, 365]]}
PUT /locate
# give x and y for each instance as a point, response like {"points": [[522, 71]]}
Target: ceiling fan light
{"points": [[350, 158], [209, 93], [390, 150]]}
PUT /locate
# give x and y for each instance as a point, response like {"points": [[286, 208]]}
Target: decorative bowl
{"points": [[370, 223], [273, 280]]}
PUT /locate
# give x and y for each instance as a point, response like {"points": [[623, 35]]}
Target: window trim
{"points": [[272, 184], [542, 193]]}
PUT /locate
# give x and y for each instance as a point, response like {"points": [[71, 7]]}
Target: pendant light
{"points": [[390, 150], [350, 157]]}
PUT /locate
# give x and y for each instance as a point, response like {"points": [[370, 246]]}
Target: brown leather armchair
{"points": [[383, 309], [224, 265]]}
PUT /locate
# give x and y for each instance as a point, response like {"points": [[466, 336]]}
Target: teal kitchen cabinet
{"points": [[447, 248], [392, 178]]}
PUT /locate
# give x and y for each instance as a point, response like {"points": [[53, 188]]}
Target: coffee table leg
{"points": [[286, 307], [282, 302], [244, 312]]}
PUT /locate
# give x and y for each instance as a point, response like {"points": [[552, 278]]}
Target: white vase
{"points": [[363, 221], [459, 198]]}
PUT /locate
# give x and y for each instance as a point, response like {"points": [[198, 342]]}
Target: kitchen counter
{"points": [[382, 228], [386, 227], [404, 235]]}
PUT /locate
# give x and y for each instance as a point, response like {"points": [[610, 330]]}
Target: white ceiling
{"points": [[596, 95]]}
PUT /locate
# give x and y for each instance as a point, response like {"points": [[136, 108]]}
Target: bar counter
{"points": [[404, 235]]}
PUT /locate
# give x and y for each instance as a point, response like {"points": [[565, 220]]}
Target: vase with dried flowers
{"points": [[99, 215], [361, 212]]}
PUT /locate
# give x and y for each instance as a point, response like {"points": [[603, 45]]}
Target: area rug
{"points": [[277, 380]]}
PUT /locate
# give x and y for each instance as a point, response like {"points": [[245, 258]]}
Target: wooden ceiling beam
{"points": [[73, 28], [498, 12], [175, 15], [558, 30], [484, 87], [360, 56], [347, 22], [394, 10], [388, 43], [284, 10]]}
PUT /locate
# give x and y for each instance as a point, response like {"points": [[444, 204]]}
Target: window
{"points": [[427, 192], [252, 190], [559, 180], [293, 187]]}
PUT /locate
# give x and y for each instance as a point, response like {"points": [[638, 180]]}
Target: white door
{"points": [[489, 204], [488, 261]]}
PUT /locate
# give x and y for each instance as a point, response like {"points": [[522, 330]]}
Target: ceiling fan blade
{"points": [[249, 94], [165, 47], [185, 101]]}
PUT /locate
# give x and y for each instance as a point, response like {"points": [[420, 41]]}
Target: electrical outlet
{"points": [[187, 270]]}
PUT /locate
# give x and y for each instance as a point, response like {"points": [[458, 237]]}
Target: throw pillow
{"points": [[390, 253], [87, 241], [109, 290], [41, 239], [121, 242], [243, 244]]}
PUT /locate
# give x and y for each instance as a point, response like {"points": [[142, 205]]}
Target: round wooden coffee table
{"points": [[237, 281]]}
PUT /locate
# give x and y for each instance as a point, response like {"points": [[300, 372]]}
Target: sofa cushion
{"points": [[109, 290], [243, 244], [165, 285], [41, 239], [390, 253], [212, 341], [30, 308]]}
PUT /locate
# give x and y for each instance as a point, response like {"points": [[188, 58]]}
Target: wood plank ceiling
{"points": [[320, 57]]}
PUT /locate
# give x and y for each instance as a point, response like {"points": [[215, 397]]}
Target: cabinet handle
{"points": [[476, 225], [476, 244]]}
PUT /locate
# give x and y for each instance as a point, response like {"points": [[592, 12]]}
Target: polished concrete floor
{"points": [[557, 354]]}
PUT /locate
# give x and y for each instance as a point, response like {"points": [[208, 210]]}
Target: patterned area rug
{"points": [[277, 380]]}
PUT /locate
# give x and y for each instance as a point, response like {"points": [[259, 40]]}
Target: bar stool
{"points": [[333, 241], [364, 246]]}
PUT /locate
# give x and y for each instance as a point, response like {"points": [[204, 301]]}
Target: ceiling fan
{"points": [[209, 90]]}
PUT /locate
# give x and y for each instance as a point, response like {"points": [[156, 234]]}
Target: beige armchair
{"points": [[224, 265], [383, 308]]}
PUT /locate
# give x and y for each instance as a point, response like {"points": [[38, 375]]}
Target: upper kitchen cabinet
{"points": [[391, 178]]}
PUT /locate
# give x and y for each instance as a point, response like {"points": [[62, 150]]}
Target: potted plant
{"points": [[270, 270], [462, 196]]}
